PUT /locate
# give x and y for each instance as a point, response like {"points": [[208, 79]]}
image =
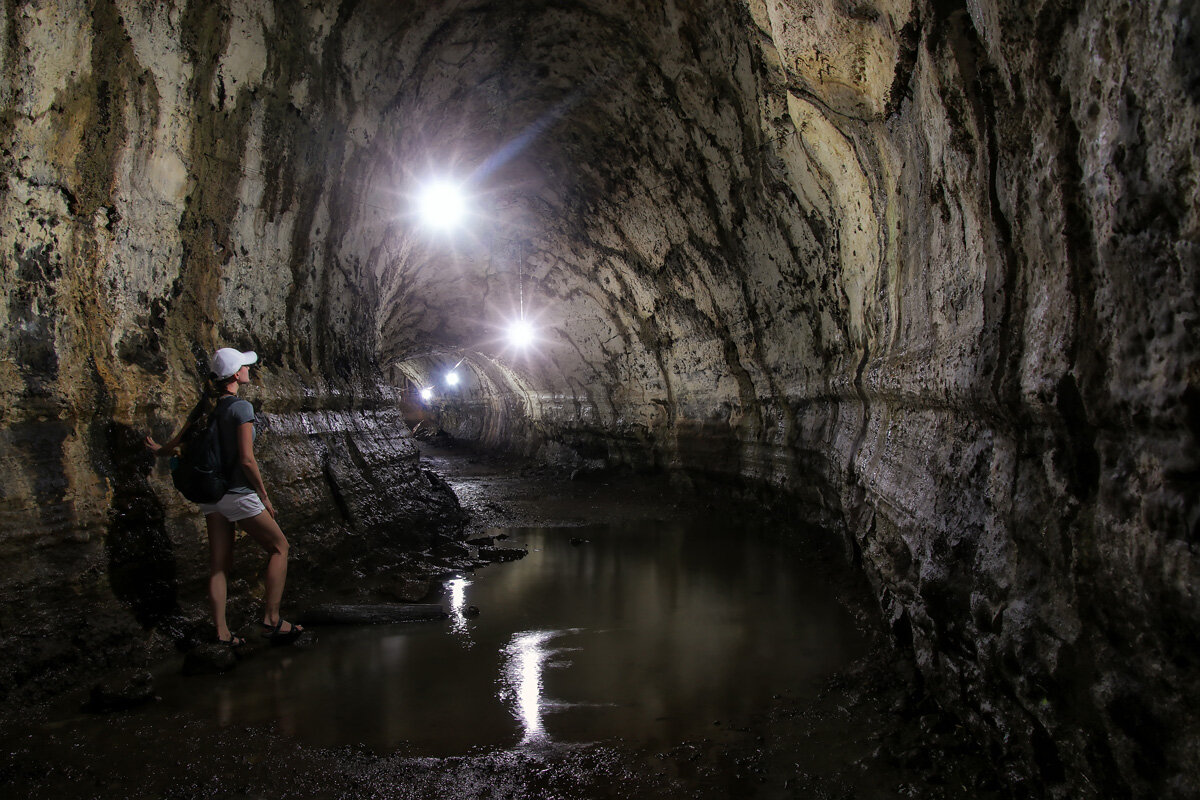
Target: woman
{"points": [[245, 501]]}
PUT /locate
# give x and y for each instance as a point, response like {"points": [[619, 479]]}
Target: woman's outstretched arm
{"points": [[169, 447]]}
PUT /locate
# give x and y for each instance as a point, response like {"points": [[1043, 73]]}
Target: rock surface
{"points": [[123, 690], [924, 270], [210, 658], [372, 614]]}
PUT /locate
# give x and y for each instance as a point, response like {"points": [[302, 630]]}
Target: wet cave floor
{"points": [[652, 644]]}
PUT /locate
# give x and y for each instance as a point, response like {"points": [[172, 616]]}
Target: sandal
{"points": [[233, 641], [277, 635]]}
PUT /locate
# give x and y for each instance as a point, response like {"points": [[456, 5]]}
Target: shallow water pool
{"points": [[647, 633]]}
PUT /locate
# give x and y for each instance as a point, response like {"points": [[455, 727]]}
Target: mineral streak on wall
{"points": [[928, 270]]}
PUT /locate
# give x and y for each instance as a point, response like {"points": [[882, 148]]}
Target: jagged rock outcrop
{"points": [[925, 271]]}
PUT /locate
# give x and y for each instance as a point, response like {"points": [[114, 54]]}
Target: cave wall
{"points": [[1022, 482], [929, 270], [174, 181]]}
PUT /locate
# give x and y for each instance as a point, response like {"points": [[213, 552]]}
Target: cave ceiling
{"points": [[617, 158]]}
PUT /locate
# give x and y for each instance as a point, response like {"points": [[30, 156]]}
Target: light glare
{"points": [[427, 393], [520, 333], [442, 205], [452, 378]]}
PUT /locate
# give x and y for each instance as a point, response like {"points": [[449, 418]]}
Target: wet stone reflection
{"points": [[645, 633]]}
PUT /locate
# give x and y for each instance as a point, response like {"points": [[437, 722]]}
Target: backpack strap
{"points": [[228, 460]]}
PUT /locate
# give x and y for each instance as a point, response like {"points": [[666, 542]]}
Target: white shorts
{"points": [[235, 506]]}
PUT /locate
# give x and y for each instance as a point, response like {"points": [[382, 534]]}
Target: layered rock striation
{"points": [[924, 272]]}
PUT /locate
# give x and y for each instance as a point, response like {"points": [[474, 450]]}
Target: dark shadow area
{"points": [[141, 560]]}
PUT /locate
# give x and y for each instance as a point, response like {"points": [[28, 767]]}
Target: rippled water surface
{"points": [[649, 633]]}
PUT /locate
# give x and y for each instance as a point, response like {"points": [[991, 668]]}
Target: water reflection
{"points": [[525, 656], [456, 590], [525, 660], [668, 628]]}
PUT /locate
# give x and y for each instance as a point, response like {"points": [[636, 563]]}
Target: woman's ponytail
{"points": [[210, 392]]}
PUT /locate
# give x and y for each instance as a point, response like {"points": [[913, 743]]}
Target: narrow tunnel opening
{"points": [[467, 397]]}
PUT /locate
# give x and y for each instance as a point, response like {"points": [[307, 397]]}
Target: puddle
{"points": [[646, 633]]}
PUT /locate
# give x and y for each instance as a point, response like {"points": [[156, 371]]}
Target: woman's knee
{"points": [[266, 532], [275, 542]]}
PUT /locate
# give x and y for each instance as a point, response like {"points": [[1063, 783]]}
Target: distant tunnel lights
{"points": [[427, 393], [442, 205]]}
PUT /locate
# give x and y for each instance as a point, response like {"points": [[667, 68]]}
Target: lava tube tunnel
{"points": [[817, 343]]}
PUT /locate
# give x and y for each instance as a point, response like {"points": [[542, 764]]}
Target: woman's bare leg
{"points": [[220, 563], [264, 530]]}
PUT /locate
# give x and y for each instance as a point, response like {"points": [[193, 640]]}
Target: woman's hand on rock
{"points": [[158, 449]]}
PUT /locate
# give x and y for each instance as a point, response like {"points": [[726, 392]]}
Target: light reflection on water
{"points": [[456, 594], [646, 633], [526, 658]]}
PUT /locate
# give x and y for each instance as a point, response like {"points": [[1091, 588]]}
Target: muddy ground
{"points": [[869, 733]]}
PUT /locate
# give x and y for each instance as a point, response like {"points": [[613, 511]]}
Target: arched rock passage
{"points": [[925, 270]]}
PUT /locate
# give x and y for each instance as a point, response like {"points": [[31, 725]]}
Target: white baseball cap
{"points": [[227, 361]]}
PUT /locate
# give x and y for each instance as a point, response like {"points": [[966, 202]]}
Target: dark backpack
{"points": [[199, 472]]}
